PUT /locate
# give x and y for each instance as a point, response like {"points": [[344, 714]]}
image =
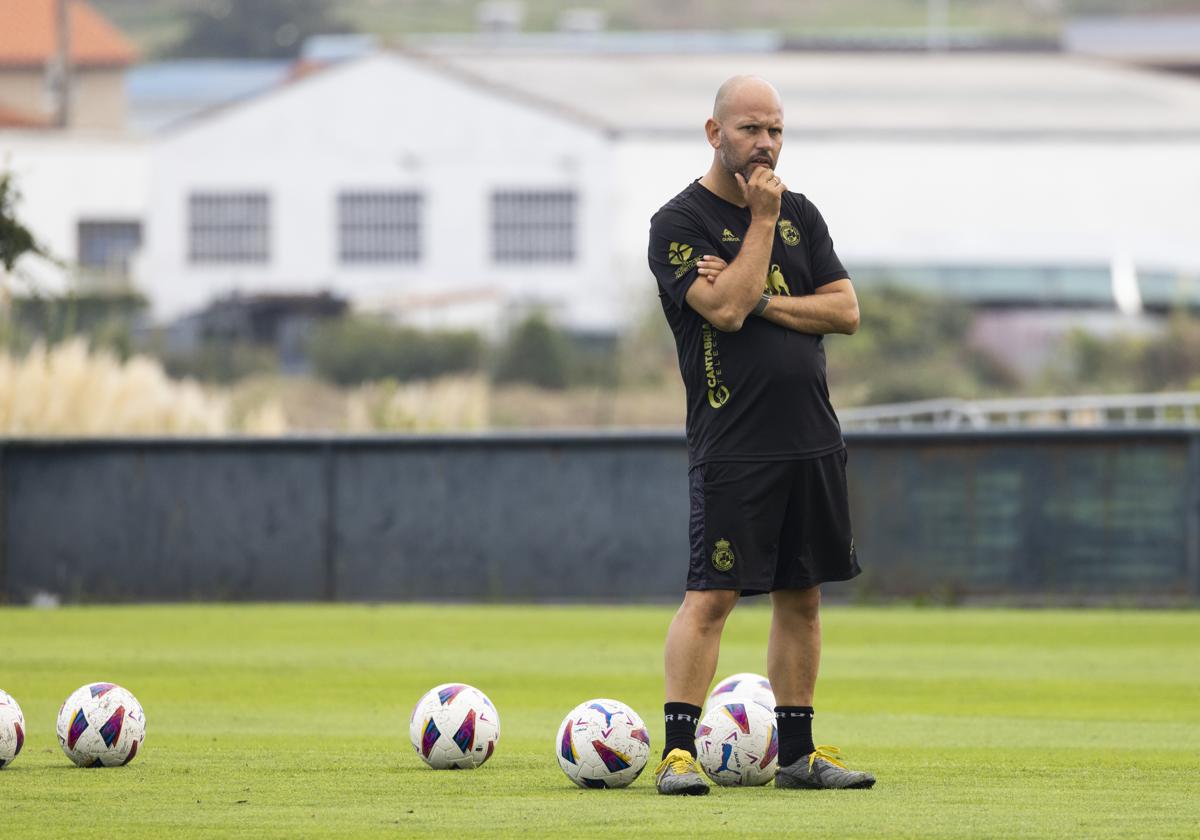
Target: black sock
{"points": [[681, 720], [795, 733]]}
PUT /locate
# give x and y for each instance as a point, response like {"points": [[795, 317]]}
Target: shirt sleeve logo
{"points": [[679, 253], [788, 232]]}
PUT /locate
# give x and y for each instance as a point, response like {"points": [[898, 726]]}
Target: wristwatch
{"points": [[762, 304]]}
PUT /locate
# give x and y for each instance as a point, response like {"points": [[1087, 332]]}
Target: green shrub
{"points": [[912, 346], [536, 353], [107, 320], [222, 362], [353, 350]]}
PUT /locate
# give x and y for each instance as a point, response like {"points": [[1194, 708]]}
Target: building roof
{"points": [[29, 35], [1165, 40], [891, 96], [867, 96], [163, 93], [301, 73]]}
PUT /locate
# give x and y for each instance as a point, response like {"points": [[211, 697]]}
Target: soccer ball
{"points": [[753, 686], [12, 729], [454, 727], [101, 725], [737, 743], [602, 744]]}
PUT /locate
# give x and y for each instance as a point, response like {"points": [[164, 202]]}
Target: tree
{"points": [[255, 28], [536, 353], [15, 239], [912, 347]]}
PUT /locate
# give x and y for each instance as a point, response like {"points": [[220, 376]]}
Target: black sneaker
{"points": [[820, 770]]}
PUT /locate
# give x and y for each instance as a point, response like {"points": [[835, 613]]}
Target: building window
{"points": [[106, 247], [229, 227], [533, 226], [379, 227]]}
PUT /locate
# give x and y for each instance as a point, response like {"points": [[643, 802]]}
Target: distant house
{"points": [[84, 195], [83, 187], [99, 57], [403, 185]]}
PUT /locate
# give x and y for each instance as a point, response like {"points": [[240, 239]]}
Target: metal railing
{"points": [[1108, 410]]}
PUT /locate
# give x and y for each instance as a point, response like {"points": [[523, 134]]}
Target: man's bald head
{"points": [[746, 128], [745, 93]]}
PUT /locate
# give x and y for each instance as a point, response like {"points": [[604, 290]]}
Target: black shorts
{"points": [[759, 527]]}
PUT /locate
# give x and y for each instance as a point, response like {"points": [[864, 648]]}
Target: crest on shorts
{"points": [[722, 556], [788, 232]]}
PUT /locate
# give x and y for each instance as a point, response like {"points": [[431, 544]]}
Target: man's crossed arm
{"points": [[833, 308]]}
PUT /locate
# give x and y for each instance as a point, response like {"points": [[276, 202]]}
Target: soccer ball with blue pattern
{"points": [[737, 743], [454, 727], [101, 725], [755, 687], [12, 729], [602, 744]]}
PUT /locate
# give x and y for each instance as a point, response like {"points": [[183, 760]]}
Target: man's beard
{"points": [[744, 166]]}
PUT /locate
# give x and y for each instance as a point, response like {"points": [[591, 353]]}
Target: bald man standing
{"points": [[750, 283]]}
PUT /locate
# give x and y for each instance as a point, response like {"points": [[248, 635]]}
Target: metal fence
{"points": [[1130, 410], [1110, 514]]}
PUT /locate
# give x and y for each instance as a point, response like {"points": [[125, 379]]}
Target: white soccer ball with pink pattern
{"points": [[12, 729], [737, 743], [602, 744], [756, 687], [101, 725], [454, 727]]}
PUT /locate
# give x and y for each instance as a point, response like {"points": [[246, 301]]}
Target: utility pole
{"points": [[937, 25], [63, 60]]}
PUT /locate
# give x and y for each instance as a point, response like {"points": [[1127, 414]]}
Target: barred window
{"points": [[379, 227], [533, 226], [229, 227], [107, 246]]}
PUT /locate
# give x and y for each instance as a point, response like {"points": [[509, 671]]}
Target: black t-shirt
{"points": [[758, 394]]}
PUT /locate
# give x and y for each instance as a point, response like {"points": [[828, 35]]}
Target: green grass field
{"points": [[293, 721]]}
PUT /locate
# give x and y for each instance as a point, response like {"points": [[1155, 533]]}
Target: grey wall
{"points": [[1109, 514]]}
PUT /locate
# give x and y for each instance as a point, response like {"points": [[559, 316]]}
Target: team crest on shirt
{"points": [[788, 232], [722, 556]]}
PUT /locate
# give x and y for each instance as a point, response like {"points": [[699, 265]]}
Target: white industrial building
{"points": [[463, 186], [966, 172], [398, 184]]}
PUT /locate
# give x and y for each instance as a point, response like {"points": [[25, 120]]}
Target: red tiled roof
{"points": [[29, 35]]}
